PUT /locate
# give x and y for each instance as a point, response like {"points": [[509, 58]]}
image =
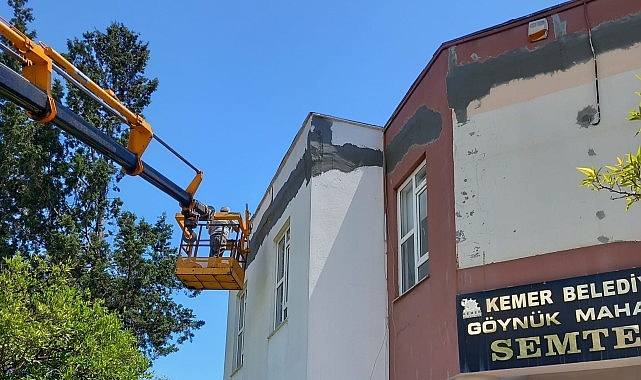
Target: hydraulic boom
{"points": [[224, 267]]}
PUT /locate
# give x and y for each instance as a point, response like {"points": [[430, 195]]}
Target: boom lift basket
{"points": [[217, 273], [203, 265]]}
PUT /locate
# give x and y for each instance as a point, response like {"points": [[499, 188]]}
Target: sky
{"points": [[237, 80]]}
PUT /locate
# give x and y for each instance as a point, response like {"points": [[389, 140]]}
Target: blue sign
{"points": [[566, 321]]}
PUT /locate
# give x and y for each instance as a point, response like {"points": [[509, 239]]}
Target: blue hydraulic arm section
{"points": [[15, 88]]}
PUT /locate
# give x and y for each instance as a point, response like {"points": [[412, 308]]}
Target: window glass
{"points": [[241, 314], [406, 209], [281, 283], [407, 258], [279, 304], [420, 176], [280, 258], [240, 332], [422, 222], [239, 350], [423, 270]]}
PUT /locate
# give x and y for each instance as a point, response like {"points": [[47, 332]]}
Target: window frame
{"points": [[239, 347], [412, 215], [281, 276]]}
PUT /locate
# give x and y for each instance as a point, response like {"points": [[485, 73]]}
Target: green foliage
{"points": [[115, 60], [58, 197], [636, 114], [31, 166], [50, 330], [22, 15], [137, 279], [623, 178]]}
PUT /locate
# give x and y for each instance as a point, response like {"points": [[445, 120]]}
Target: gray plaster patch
{"points": [[474, 80], [585, 117], [320, 156], [560, 27], [424, 127], [325, 156], [460, 236], [591, 152], [600, 214], [603, 239]]}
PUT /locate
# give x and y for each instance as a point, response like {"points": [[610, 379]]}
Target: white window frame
{"points": [[281, 283], [241, 310], [412, 234]]}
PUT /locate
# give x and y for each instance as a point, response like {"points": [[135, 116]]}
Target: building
{"points": [[314, 304], [499, 265]]}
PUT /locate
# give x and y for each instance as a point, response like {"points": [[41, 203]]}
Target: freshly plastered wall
{"points": [[328, 190], [347, 288], [280, 353], [515, 157]]}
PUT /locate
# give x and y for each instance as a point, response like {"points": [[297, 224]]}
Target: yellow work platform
{"points": [[216, 273]]}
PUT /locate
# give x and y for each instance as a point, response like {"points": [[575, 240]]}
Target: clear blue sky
{"points": [[237, 79]]}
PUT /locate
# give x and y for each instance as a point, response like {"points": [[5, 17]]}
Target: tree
{"points": [[59, 200], [32, 167], [50, 330], [624, 177], [134, 273]]}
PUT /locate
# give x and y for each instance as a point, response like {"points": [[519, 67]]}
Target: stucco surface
{"points": [[516, 183], [329, 192]]}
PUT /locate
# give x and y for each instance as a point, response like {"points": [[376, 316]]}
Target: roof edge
{"points": [[308, 118], [477, 35]]}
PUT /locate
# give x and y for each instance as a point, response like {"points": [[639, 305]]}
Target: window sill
{"points": [[236, 370], [411, 288], [277, 329]]}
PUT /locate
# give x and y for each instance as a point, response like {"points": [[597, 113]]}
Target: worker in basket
{"points": [[218, 234]]}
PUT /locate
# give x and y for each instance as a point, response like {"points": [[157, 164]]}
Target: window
{"points": [[412, 245], [282, 269], [241, 306]]}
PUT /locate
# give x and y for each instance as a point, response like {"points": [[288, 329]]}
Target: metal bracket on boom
{"points": [[48, 114], [36, 66]]}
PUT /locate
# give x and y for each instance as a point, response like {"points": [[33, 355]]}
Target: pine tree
{"points": [[59, 197]]}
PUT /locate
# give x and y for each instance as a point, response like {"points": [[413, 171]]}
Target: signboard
{"points": [[566, 321]]}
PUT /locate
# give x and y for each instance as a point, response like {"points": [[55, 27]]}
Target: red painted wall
{"points": [[422, 322]]}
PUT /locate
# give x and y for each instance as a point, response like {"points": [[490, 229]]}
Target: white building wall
{"points": [[516, 183], [287, 346], [337, 296], [270, 354], [347, 330]]}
